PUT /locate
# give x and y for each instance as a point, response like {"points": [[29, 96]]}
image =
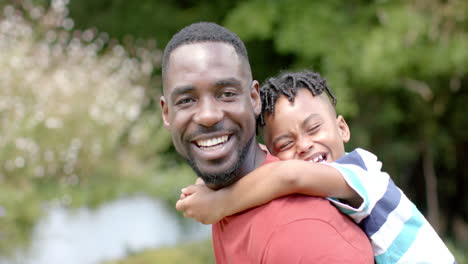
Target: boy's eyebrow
{"points": [[303, 124], [311, 116], [279, 138]]}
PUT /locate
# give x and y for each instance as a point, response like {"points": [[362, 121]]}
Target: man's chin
{"points": [[216, 178], [223, 173]]}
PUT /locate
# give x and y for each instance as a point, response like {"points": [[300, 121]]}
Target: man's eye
{"points": [[184, 101], [228, 94]]}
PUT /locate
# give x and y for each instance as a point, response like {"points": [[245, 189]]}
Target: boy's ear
{"points": [[164, 112], [343, 128]]}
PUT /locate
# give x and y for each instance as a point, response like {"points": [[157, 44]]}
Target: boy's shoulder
{"points": [[359, 157]]}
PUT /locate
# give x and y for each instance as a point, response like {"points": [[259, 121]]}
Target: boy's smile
{"points": [[306, 129]]}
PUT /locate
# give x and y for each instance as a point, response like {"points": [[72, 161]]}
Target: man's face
{"points": [[209, 105], [306, 129]]}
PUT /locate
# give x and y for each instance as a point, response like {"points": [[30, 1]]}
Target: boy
{"points": [[300, 124]]}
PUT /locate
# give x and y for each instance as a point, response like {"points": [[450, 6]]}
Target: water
{"points": [[86, 236]]}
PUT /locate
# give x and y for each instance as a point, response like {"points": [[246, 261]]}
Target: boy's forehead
{"points": [[303, 96], [288, 111]]}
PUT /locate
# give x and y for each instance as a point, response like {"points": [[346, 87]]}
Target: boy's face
{"points": [[306, 129]]}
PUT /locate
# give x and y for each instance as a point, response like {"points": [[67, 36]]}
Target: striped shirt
{"points": [[399, 233]]}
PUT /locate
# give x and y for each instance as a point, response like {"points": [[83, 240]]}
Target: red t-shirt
{"points": [[291, 229]]}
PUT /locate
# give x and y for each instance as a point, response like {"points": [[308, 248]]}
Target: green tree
{"points": [[399, 69]]}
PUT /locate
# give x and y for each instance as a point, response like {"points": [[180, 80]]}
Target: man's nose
{"points": [[208, 113]]}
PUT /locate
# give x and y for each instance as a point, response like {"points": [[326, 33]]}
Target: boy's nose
{"points": [[303, 147]]}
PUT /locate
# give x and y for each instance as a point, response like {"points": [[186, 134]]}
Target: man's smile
{"points": [[212, 143], [214, 147]]}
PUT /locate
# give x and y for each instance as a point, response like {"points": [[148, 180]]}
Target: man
{"points": [[210, 105]]}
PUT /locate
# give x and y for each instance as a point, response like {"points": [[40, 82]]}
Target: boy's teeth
{"points": [[319, 158], [212, 141]]}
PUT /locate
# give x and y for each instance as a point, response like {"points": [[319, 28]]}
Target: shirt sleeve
{"points": [[398, 231], [313, 241], [362, 172]]}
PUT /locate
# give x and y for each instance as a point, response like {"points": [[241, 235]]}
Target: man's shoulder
{"points": [[303, 219], [283, 210], [293, 208]]}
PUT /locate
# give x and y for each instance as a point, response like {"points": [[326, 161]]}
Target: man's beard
{"points": [[224, 178]]}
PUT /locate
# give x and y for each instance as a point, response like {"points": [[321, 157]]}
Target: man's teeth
{"points": [[212, 141]]}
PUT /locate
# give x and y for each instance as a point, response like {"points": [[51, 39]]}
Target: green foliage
{"points": [[74, 117], [147, 19], [399, 69], [460, 252], [255, 18]]}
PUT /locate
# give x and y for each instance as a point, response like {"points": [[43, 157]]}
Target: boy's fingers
{"points": [[188, 215], [186, 191], [189, 190], [180, 206]]}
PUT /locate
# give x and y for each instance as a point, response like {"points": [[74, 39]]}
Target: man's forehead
{"points": [[203, 54], [215, 59]]}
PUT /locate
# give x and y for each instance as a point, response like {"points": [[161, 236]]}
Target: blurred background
{"points": [[88, 174]]}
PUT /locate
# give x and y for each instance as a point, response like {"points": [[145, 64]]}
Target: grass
{"points": [[194, 253]]}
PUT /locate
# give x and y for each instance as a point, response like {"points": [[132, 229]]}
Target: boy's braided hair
{"points": [[287, 84]]}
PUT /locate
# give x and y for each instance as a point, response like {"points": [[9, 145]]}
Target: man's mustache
{"points": [[218, 127]]}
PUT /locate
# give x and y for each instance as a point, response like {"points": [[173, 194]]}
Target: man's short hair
{"points": [[203, 32]]}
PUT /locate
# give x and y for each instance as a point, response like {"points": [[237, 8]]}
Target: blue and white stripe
{"points": [[399, 233]]}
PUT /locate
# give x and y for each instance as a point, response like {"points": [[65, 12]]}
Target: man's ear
{"points": [[255, 97], [164, 112], [343, 128]]}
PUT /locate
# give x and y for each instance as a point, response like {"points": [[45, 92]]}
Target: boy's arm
{"points": [[282, 178], [263, 185]]}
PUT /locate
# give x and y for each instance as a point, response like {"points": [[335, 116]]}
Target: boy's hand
{"points": [[200, 203]]}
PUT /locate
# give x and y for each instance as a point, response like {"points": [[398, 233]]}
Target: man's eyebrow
{"points": [[228, 82], [181, 90]]}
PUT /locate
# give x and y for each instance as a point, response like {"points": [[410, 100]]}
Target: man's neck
{"points": [[254, 159]]}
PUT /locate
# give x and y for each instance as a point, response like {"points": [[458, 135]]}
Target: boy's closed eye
{"points": [[313, 129], [285, 145]]}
